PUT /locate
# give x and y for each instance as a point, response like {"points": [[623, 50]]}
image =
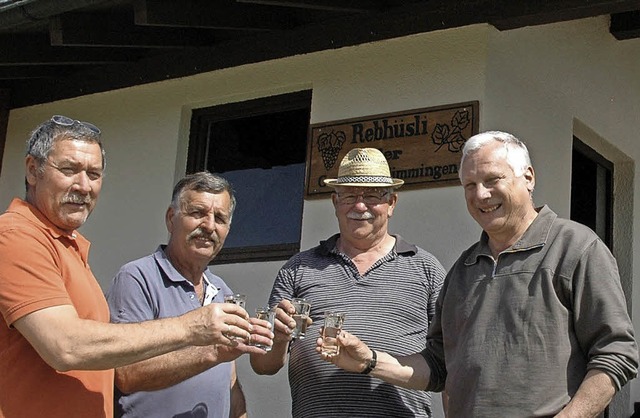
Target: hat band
{"points": [[364, 179]]}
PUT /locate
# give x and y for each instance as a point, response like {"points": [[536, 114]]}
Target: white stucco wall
{"points": [[537, 83]]}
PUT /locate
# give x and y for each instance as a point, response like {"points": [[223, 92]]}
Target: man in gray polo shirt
{"points": [[386, 286], [195, 381]]}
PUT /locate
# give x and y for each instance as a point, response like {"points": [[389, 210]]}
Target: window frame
{"points": [[197, 161], [602, 188]]}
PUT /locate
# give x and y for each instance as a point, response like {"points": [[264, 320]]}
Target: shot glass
{"points": [[269, 315], [302, 314], [236, 298], [332, 326]]}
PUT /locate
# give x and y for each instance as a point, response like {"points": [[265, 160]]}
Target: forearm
{"points": [[67, 342], [411, 372], [238, 402], [594, 394], [141, 341], [165, 370], [271, 362]]}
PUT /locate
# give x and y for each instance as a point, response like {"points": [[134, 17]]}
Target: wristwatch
{"points": [[371, 364]]}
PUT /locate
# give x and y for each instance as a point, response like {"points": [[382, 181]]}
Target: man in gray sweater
{"points": [[531, 320]]}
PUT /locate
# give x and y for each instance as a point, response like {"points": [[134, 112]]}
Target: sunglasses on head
{"points": [[66, 121]]}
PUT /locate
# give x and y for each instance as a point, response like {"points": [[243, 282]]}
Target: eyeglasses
{"points": [[369, 198], [65, 121]]}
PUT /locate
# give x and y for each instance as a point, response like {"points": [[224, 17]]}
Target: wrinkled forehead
{"points": [[204, 198]]}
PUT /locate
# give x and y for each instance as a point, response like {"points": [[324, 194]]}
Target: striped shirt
{"points": [[390, 308]]}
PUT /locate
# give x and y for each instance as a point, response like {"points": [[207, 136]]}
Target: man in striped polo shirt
{"points": [[386, 286]]}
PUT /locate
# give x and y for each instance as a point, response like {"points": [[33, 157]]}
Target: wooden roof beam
{"points": [[203, 14], [37, 50], [119, 31], [348, 6]]}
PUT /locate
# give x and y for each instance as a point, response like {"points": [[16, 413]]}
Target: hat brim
{"points": [[334, 183]]}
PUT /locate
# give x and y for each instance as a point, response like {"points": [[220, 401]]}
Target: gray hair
{"points": [[43, 137], [202, 181], [47, 133], [516, 152]]}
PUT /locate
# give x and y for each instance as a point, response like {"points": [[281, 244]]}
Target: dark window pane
{"points": [[260, 147]]}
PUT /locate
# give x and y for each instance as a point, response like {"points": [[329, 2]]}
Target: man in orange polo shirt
{"points": [[58, 350]]}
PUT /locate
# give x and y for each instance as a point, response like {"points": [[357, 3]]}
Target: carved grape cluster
{"points": [[329, 145]]}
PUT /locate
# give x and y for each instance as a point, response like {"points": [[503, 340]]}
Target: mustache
{"points": [[360, 216], [201, 233], [77, 199]]}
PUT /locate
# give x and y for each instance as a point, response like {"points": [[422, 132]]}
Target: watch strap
{"points": [[371, 364]]}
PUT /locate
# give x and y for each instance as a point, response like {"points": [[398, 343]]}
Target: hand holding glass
{"points": [[333, 322], [302, 314], [269, 315], [237, 299]]}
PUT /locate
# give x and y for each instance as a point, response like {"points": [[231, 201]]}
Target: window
{"points": [[260, 147], [592, 190]]}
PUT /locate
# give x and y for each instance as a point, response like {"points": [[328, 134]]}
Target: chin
{"points": [[74, 223], [207, 249]]}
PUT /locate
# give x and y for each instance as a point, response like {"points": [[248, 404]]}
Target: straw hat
{"points": [[364, 167]]}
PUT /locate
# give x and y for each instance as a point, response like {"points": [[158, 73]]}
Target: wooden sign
{"points": [[423, 146]]}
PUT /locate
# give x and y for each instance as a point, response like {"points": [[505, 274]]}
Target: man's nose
{"points": [[82, 182], [483, 192], [209, 222], [360, 204]]}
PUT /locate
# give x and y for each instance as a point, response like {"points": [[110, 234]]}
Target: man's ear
{"points": [[393, 200], [530, 177], [334, 199], [31, 169], [168, 218]]}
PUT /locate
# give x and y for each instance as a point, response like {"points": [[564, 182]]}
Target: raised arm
{"points": [[67, 342], [172, 368], [271, 362], [410, 372]]}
